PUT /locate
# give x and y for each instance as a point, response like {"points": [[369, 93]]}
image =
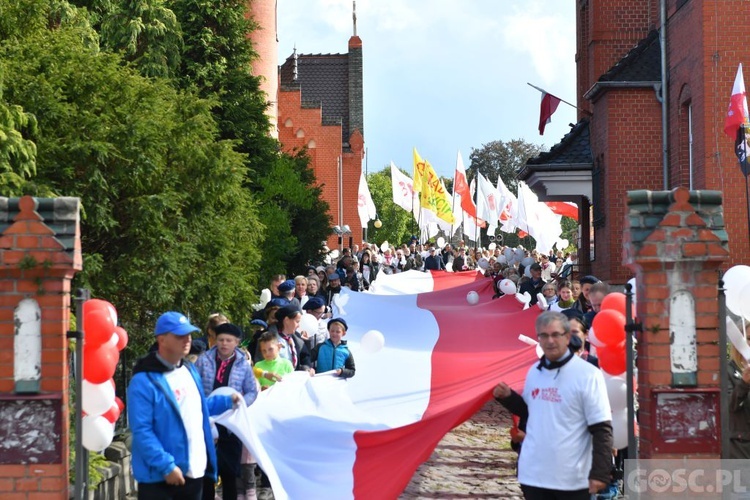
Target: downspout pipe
{"points": [[664, 95]]}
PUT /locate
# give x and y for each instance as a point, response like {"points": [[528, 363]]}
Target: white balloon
{"points": [[617, 391], [593, 340], [562, 244], [620, 428], [507, 287], [483, 263], [472, 298], [492, 246], [527, 261], [502, 259], [520, 253], [372, 341], [97, 432], [527, 272], [440, 242], [308, 323], [735, 280], [449, 266], [97, 398], [509, 254], [524, 298]]}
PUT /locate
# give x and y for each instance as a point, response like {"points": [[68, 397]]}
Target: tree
{"points": [[502, 159], [167, 220], [398, 224]]}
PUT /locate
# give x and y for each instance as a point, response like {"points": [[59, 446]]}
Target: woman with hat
{"points": [[225, 365]]}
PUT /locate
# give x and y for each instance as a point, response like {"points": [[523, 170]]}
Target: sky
{"points": [[445, 76]]}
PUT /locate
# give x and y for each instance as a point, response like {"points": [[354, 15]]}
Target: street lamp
{"points": [[378, 223], [337, 230]]}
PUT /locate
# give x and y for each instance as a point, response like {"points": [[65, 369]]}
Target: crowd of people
{"points": [[210, 463]]}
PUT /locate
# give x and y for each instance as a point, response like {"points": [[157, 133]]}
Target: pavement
{"points": [[474, 460]]}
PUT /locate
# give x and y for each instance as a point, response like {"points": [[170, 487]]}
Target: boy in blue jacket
{"points": [[168, 412], [334, 354]]}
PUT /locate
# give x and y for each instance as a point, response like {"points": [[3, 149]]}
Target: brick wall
{"points": [[302, 127], [34, 264], [625, 134]]}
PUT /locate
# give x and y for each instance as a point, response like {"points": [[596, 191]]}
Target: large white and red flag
{"points": [[365, 206], [737, 121], [412, 282], [323, 437]]}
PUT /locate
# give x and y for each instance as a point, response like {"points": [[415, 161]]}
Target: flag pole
{"points": [[561, 100]]}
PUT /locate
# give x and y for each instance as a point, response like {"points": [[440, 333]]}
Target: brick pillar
{"points": [[674, 242], [39, 255]]}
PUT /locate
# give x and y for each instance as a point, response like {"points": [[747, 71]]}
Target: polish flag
{"points": [[737, 114], [548, 108], [323, 437], [411, 282]]}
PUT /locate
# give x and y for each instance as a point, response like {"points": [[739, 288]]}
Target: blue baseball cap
{"points": [[174, 322]]}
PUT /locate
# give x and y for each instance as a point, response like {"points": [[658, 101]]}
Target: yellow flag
{"points": [[433, 195], [419, 166]]}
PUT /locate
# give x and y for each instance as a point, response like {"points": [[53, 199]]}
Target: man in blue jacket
{"points": [[168, 412]]}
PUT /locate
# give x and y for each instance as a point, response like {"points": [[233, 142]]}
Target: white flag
{"points": [[509, 204], [537, 219], [403, 190], [488, 203], [365, 205]]}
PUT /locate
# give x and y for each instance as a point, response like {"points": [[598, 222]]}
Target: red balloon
{"points": [[99, 363], [614, 301], [99, 305], [609, 326], [112, 414], [98, 327], [119, 404], [612, 358], [122, 338]]}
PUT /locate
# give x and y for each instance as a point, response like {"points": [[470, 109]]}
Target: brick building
{"points": [[318, 106], [618, 145]]}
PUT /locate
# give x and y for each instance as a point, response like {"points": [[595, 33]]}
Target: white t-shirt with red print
{"points": [[562, 403]]}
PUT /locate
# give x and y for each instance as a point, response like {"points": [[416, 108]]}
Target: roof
{"points": [[323, 80], [641, 64], [646, 210], [59, 214], [573, 152]]}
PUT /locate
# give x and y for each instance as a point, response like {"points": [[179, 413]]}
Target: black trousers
{"points": [[535, 493], [191, 490]]}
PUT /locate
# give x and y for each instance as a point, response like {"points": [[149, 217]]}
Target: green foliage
{"points": [[296, 218], [17, 150], [398, 224], [146, 32], [168, 221]]}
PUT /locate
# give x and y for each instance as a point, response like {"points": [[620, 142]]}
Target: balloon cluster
{"points": [[607, 333], [101, 352]]}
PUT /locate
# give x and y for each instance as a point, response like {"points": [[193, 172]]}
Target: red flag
{"points": [[549, 106]]}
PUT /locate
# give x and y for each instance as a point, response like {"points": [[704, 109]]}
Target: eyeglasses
{"points": [[553, 335]]}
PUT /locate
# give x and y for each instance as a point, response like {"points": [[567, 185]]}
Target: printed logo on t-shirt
{"points": [[179, 394], [547, 394]]}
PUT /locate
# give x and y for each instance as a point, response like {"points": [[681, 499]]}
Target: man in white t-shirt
{"points": [[567, 451]]}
